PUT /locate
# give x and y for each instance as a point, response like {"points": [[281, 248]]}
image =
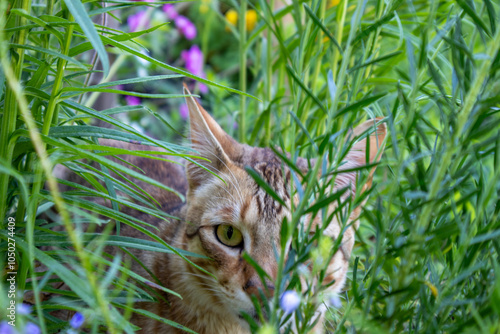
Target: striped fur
{"points": [[213, 304]]}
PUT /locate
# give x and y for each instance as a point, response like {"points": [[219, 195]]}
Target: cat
{"points": [[222, 219]]}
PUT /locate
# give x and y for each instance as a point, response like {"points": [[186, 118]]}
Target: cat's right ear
{"points": [[209, 140]]}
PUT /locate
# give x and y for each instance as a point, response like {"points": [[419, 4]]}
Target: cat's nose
{"points": [[254, 284]]}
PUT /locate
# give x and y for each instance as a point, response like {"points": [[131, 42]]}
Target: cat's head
{"points": [[229, 214]]}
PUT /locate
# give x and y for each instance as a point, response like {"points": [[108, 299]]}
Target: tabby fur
{"points": [[213, 305]]}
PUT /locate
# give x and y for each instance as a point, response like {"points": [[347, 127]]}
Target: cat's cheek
{"points": [[337, 271]]}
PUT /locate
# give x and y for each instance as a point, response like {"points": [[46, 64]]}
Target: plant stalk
{"points": [[11, 105], [243, 68]]}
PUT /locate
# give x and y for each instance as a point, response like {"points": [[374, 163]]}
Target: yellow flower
{"points": [[232, 17], [332, 3], [203, 8], [250, 19]]}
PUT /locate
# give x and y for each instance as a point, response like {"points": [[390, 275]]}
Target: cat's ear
{"points": [[366, 151], [211, 142]]}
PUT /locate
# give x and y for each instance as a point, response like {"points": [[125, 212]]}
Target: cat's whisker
{"points": [[235, 183], [222, 187], [206, 277], [209, 278]]}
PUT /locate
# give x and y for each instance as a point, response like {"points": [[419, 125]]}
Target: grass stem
{"points": [[243, 68]]}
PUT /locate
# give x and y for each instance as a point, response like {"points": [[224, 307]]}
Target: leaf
{"points": [[374, 61], [332, 87], [114, 240], [320, 24], [368, 30], [68, 277], [472, 13], [38, 21], [135, 34], [308, 135], [129, 50], [491, 15], [485, 237], [117, 91], [81, 17], [159, 319], [326, 201], [359, 104], [305, 88], [92, 131], [50, 52]]}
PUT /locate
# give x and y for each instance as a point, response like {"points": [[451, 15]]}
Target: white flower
{"points": [[289, 301]]}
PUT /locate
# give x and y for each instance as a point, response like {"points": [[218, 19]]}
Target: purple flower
{"points": [[181, 22], [190, 31], [194, 60], [334, 301], [194, 64], [136, 20], [170, 11], [184, 111], [24, 309], [5, 328], [77, 320], [203, 87], [31, 328], [289, 301], [186, 27], [132, 100]]}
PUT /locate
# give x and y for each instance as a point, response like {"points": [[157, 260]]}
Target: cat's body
{"points": [[223, 217]]}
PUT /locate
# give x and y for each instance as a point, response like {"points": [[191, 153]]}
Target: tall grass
{"points": [[427, 250]]}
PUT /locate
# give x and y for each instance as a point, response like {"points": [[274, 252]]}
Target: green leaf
{"points": [[374, 61], [159, 319], [129, 50], [473, 14], [305, 88], [49, 52], [114, 240], [74, 282], [320, 24], [359, 104], [40, 22], [82, 18], [136, 80], [326, 201]]}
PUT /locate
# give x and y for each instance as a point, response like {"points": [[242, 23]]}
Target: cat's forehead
{"points": [[277, 177], [251, 156], [235, 197], [261, 212]]}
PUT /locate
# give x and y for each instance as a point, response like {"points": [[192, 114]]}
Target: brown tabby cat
{"points": [[222, 219]]}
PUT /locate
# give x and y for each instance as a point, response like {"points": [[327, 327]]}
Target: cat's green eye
{"points": [[229, 236]]}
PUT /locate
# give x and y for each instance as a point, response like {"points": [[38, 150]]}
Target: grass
{"points": [[427, 250]]}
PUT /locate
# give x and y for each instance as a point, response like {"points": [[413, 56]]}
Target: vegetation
{"points": [[427, 252]]}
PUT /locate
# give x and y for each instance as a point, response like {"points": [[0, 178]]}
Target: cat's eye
{"points": [[229, 235]]}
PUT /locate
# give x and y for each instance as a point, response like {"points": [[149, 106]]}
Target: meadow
{"points": [[291, 75]]}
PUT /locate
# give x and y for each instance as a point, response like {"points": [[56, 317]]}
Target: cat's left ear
{"points": [[366, 151], [208, 138]]}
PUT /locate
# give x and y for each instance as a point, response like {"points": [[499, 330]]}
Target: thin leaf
{"points": [[82, 18]]}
